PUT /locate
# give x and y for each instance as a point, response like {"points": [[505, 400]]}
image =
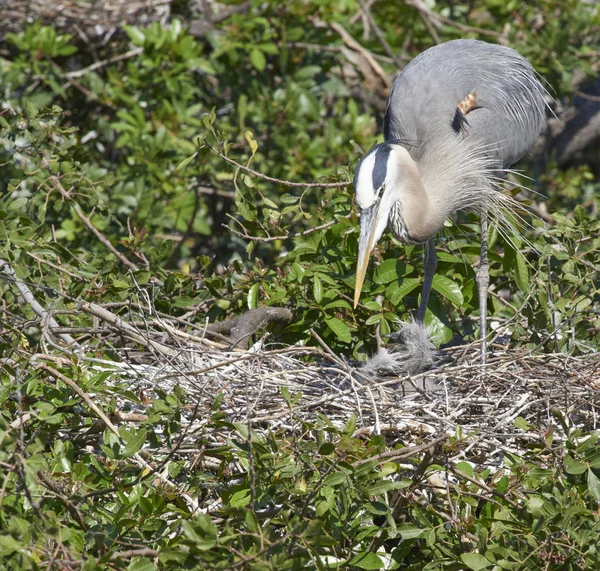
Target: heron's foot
{"points": [[412, 352]]}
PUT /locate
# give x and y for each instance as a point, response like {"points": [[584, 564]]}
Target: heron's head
{"points": [[378, 187]]}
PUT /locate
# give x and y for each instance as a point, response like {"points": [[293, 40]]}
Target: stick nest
{"points": [[256, 384]]}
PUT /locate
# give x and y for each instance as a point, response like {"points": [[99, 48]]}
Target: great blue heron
{"points": [[457, 117]]}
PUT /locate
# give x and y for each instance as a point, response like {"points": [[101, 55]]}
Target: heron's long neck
{"points": [[421, 214]]}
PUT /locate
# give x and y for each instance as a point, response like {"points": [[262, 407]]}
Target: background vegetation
{"points": [[197, 155]]}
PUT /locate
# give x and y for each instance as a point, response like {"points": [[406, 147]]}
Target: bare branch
{"points": [[379, 34], [247, 236], [29, 298], [275, 180], [103, 63], [67, 195], [438, 20]]}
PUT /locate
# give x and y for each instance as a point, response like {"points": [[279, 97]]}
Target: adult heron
{"points": [[457, 117]]}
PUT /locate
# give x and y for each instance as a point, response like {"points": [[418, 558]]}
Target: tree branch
{"points": [[67, 195], [29, 298], [270, 178]]}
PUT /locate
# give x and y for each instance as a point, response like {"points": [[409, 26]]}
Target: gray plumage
{"points": [[510, 107], [457, 116]]}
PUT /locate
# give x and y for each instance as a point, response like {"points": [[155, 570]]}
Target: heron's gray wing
{"points": [[509, 110]]}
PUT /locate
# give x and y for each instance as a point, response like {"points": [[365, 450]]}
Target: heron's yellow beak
{"points": [[366, 243]]}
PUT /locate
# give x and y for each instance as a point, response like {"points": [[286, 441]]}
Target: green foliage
{"points": [[324, 501]]}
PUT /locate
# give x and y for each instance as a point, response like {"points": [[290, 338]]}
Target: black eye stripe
{"points": [[380, 166]]}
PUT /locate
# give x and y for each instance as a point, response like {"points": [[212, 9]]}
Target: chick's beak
{"points": [[368, 225]]}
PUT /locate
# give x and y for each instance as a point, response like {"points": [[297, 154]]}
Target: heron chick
{"points": [[458, 116]]}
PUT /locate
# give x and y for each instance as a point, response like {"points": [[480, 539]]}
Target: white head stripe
{"points": [[363, 181]]}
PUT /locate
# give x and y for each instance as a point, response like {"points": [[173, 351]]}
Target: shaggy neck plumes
{"points": [[414, 217]]}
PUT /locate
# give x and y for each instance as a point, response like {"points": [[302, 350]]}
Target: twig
{"points": [[429, 24], [125, 328], [587, 96], [67, 195], [403, 452], [439, 19], [340, 49], [481, 485], [60, 269], [142, 552], [100, 64], [29, 298], [88, 400], [71, 508], [328, 350], [275, 180], [363, 59], [247, 236], [379, 34]]}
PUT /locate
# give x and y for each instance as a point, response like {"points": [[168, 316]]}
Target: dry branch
{"points": [[270, 178], [30, 299]]}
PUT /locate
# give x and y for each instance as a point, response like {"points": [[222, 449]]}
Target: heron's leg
{"points": [[483, 282], [430, 266]]}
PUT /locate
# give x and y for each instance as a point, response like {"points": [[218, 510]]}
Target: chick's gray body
{"points": [[509, 111]]}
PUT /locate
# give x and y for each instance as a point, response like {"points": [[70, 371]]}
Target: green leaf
{"points": [[288, 198], [251, 521], [350, 425], [141, 564], [335, 479], [253, 297], [136, 36], [338, 304], [438, 331], [186, 162], [367, 560], [521, 423], [240, 499], [465, 468], [396, 291], [448, 288], [593, 485], [133, 440], [317, 289], [535, 505], [198, 535], [383, 486], [521, 273], [258, 59], [390, 270], [9, 545], [409, 531], [475, 561], [327, 448], [251, 141], [573, 466], [340, 329]]}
